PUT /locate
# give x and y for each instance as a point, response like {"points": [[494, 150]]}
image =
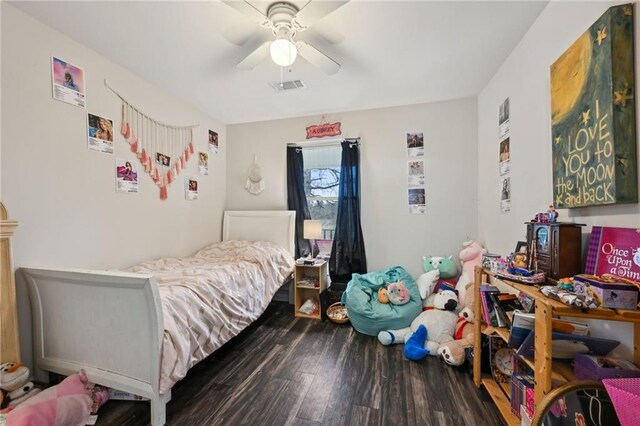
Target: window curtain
{"points": [[296, 197], [347, 253]]}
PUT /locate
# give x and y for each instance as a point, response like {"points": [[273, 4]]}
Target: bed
{"points": [[140, 330]]}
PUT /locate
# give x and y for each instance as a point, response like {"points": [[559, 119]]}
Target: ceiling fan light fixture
{"points": [[283, 52]]}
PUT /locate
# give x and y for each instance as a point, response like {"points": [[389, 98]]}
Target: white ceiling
{"points": [[393, 52]]}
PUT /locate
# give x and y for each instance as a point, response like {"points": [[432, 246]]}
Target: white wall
{"points": [[392, 235], [524, 78], [64, 195]]}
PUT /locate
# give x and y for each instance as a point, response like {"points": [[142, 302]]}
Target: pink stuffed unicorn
{"points": [[470, 257]]}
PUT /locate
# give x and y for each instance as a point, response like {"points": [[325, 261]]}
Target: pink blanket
{"points": [[65, 404]]}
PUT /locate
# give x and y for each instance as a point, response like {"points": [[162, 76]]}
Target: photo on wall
{"points": [[415, 144], [417, 201], [203, 163], [504, 124], [100, 134], [505, 194], [505, 157], [126, 176], [191, 188], [213, 142], [415, 170], [163, 159], [68, 82]]}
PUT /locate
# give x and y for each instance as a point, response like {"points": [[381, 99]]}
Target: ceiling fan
{"points": [[285, 20]]}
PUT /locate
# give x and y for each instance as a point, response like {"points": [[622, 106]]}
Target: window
{"points": [[321, 182]]}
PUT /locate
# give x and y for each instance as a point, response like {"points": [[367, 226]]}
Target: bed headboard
{"points": [[276, 226]]}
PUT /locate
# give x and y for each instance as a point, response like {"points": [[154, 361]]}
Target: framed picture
{"points": [[521, 255]]}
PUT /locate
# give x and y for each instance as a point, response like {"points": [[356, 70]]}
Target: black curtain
{"points": [[296, 197], [347, 252]]}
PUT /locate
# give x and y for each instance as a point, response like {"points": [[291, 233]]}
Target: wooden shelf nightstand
{"points": [[304, 284]]}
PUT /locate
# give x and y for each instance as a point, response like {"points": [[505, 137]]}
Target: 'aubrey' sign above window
{"points": [[322, 130]]}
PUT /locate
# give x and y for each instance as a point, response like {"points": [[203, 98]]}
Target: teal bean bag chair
{"points": [[367, 315]]}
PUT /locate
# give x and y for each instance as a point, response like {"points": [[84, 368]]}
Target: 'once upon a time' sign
{"points": [[593, 116]]}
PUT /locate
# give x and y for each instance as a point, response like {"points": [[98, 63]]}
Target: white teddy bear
{"points": [[433, 327]]}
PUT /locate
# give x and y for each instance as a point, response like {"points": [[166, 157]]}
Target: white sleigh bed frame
{"points": [[110, 323]]}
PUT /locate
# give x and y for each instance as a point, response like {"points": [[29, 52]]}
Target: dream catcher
{"points": [[255, 183], [162, 149]]}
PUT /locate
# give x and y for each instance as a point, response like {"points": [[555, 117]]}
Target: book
{"points": [[500, 315], [523, 323], [567, 346], [614, 251], [487, 305], [504, 303]]}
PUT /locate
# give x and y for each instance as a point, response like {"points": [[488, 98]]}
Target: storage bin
{"points": [[616, 295], [591, 367]]}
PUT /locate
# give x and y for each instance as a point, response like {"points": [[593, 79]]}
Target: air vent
{"points": [[288, 85]]}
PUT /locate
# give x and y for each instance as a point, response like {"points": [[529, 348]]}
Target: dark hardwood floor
{"points": [[285, 370]]}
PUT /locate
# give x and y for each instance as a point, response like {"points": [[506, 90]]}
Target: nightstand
{"points": [[310, 282]]}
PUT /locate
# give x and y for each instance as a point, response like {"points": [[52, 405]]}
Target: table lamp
{"points": [[312, 231]]}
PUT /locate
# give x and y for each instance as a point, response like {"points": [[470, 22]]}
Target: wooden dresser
{"points": [[558, 246], [9, 341]]}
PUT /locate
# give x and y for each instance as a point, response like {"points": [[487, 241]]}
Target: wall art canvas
{"points": [[213, 142], [593, 118], [100, 134], [504, 123], [126, 176], [505, 157], [417, 201], [68, 82], [415, 144], [203, 163], [416, 172], [191, 188], [505, 194]]}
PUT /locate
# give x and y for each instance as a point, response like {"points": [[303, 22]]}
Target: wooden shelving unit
{"points": [[303, 292], [546, 370]]}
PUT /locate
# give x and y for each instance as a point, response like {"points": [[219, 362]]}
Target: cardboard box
{"points": [[617, 295]]}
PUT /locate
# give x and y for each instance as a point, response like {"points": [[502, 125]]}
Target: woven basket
{"points": [[333, 309], [625, 395]]}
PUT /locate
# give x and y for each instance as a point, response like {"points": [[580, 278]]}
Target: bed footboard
{"points": [[108, 323]]}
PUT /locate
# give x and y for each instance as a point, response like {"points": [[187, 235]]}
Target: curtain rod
{"points": [[326, 142]]}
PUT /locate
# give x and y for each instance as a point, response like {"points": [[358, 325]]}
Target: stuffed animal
{"points": [[429, 330], [14, 382], [453, 352], [398, 293], [470, 256], [426, 284], [443, 264], [383, 297]]}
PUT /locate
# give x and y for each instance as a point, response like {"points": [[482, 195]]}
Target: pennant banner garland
{"points": [[163, 150]]}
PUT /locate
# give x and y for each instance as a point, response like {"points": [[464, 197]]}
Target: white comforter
{"points": [[212, 296]]}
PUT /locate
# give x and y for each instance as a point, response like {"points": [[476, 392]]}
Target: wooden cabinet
{"points": [[546, 369], [558, 247], [9, 340], [310, 281]]}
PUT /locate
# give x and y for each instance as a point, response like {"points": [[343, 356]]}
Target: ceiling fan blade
{"points": [[317, 58], [255, 57], [239, 33], [247, 9], [314, 11]]}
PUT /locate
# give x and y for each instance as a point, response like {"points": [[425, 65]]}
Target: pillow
{"points": [[67, 403]]}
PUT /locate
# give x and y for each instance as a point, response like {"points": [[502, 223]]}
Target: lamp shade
{"points": [[312, 229], [283, 52]]}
